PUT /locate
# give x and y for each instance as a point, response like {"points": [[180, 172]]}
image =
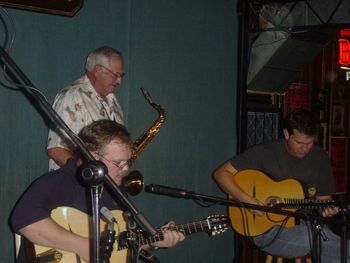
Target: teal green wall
{"points": [[184, 53]]}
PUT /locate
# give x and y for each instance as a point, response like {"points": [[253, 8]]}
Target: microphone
{"points": [[165, 190]]}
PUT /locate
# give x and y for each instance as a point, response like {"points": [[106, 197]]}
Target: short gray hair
{"points": [[102, 56]]}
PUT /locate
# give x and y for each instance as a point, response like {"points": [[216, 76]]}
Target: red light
{"points": [[344, 51], [344, 32]]}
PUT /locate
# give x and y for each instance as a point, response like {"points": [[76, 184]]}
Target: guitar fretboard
{"points": [[186, 229], [306, 203]]}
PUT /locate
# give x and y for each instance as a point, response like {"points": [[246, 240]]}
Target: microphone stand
{"points": [[95, 171], [344, 238], [223, 201], [317, 227], [134, 247]]}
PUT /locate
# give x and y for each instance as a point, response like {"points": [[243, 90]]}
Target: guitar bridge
{"points": [[49, 256]]}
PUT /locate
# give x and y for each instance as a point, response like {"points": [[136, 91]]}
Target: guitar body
{"points": [[78, 223], [266, 190]]}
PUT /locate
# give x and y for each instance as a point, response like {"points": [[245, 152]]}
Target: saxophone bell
{"points": [[133, 182]]}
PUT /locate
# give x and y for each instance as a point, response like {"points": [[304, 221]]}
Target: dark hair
{"points": [[99, 133], [303, 121]]}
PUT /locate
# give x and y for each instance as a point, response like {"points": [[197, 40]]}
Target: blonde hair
{"points": [[100, 133]]}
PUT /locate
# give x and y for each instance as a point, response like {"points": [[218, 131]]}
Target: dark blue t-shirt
{"points": [[57, 188]]}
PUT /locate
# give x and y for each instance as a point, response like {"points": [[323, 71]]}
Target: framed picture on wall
{"points": [[297, 96], [338, 119], [339, 159], [348, 117]]}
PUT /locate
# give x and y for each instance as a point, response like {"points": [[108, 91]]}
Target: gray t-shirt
{"points": [[314, 170]]}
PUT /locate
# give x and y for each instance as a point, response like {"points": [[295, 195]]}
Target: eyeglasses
{"points": [[119, 165], [115, 75]]}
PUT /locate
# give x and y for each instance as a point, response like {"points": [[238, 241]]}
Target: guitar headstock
{"points": [[217, 224]]}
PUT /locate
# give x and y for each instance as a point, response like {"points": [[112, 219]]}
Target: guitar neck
{"points": [[186, 229]]}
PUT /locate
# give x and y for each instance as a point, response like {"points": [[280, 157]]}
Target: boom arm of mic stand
{"points": [[230, 202], [227, 202], [20, 78]]}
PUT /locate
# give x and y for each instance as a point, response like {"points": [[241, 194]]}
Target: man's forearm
{"points": [[47, 233], [60, 155]]}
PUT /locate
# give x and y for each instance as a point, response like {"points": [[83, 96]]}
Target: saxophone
{"points": [[140, 144], [133, 182]]}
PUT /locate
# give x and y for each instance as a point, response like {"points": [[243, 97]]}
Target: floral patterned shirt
{"points": [[79, 105]]}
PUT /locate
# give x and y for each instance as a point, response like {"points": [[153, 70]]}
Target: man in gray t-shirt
{"points": [[296, 156], [313, 170]]}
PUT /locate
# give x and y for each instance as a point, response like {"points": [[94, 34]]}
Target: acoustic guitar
{"points": [[79, 222], [286, 194]]}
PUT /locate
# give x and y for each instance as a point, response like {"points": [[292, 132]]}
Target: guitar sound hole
{"points": [[273, 201]]}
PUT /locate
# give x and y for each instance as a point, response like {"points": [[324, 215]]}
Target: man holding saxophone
{"points": [[88, 99]]}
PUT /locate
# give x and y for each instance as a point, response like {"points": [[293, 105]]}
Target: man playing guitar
{"points": [[108, 142], [296, 156]]}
